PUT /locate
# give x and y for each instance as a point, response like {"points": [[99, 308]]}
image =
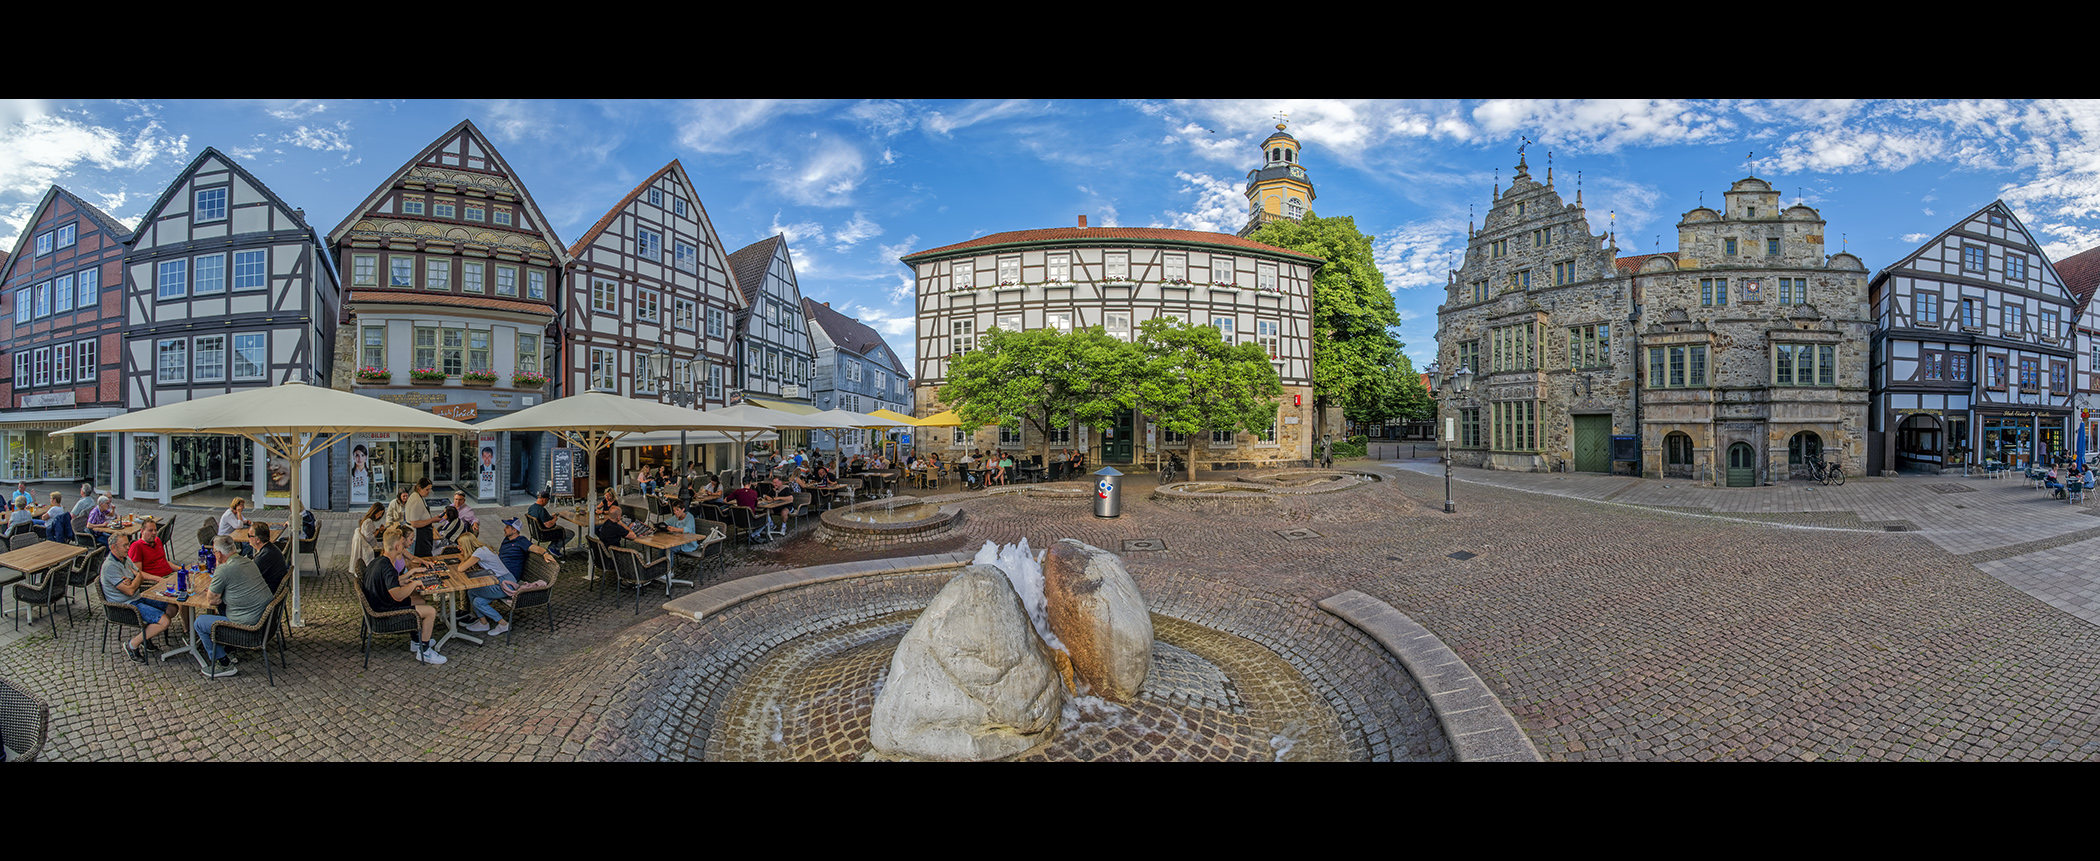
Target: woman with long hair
{"points": [[364, 544]]}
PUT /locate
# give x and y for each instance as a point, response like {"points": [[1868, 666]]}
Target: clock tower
{"points": [[1279, 189]]}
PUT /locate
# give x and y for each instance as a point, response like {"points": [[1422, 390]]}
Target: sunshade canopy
{"points": [[287, 409]]}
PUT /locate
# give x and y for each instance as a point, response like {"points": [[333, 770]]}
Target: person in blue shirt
{"points": [[680, 521]]}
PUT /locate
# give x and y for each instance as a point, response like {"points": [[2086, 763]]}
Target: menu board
{"points": [[564, 469]]}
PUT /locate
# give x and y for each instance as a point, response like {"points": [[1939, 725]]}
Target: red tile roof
{"points": [[1108, 235], [2081, 275], [1632, 264], [405, 297]]}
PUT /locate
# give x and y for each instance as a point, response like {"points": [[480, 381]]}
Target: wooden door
{"points": [[1116, 441], [1742, 465], [1592, 443]]}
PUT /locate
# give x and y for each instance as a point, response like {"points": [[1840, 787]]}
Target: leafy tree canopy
{"points": [[1357, 361], [1191, 381], [1044, 377]]}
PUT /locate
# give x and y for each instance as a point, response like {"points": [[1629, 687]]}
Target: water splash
{"points": [[1025, 571]]}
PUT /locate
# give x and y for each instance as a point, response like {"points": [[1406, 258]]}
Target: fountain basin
{"points": [[882, 523], [1259, 491]]}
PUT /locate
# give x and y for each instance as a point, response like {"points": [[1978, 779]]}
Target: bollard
{"points": [[1108, 492]]}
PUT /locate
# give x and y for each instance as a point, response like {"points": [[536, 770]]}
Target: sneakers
{"points": [[137, 654], [500, 628], [477, 626], [221, 669], [429, 655]]}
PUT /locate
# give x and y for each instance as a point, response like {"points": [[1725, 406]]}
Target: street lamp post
{"points": [[1457, 385]]}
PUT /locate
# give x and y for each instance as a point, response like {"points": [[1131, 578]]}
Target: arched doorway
{"points": [[1803, 449], [1918, 444], [1677, 455], [1742, 465]]}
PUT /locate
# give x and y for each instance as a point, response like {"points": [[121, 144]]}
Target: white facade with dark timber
{"points": [[453, 270], [650, 275], [226, 287], [1117, 278], [1974, 359], [773, 344]]}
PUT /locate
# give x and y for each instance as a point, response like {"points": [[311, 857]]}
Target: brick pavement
{"points": [[1763, 623]]}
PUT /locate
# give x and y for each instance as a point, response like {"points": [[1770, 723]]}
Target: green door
{"points": [[1116, 439], [1742, 465], [1592, 443]]}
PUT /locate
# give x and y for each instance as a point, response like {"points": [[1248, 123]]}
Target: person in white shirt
{"points": [[233, 519]]}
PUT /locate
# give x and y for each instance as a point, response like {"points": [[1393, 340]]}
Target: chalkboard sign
{"points": [[564, 468], [1625, 448]]}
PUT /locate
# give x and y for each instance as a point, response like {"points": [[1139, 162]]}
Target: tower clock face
{"points": [[1298, 172]]}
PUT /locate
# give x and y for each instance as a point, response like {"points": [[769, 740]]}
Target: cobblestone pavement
{"points": [[1617, 618]]}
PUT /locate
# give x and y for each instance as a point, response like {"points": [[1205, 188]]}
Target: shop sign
{"points": [[412, 399], [48, 399], [455, 412]]}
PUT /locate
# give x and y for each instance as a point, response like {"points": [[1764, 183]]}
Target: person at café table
{"points": [[466, 512], [393, 583], [122, 584], [609, 507], [86, 503], [776, 491], [267, 559], [21, 496], [546, 521], [147, 553], [101, 519], [419, 517], [232, 519], [449, 528], [680, 521], [20, 520], [478, 555], [239, 585], [58, 522]]}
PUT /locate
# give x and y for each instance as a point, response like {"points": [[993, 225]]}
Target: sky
{"points": [[854, 184]]}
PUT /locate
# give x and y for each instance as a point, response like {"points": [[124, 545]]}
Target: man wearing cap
{"points": [[513, 557], [544, 519]]}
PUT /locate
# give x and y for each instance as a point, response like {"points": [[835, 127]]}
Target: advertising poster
{"points": [[278, 486], [360, 471], [486, 460]]}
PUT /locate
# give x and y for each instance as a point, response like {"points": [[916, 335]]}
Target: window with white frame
{"points": [[2045, 323], [1224, 327], [437, 273], [528, 358], [43, 299], [208, 358], [452, 358], [605, 296], [43, 366], [251, 356], [507, 281], [1269, 334], [962, 336], [1010, 433], [686, 257], [174, 364], [372, 351], [678, 205], [1008, 322], [478, 344], [603, 377], [1116, 264], [90, 286], [364, 270], [473, 276], [882, 383], [1221, 270], [656, 197], [688, 313], [1265, 277], [1061, 321], [22, 373], [1174, 267], [1058, 268], [682, 375], [84, 352], [211, 204], [43, 244], [401, 272], [1172, 439], [62, 364], [646, 304], [251, 270], [1117, 323], [476, 212], [1009, 270], [852, 371], [962, 275], [426, 348], [714, 322], [959, 438], [714, 381], [535, 285], [1221, 439], [65, 236], [649, 244], [210, 275], [62, 294], [172, 279]]}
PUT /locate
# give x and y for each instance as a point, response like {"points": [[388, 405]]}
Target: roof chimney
{"points": [[827, 304], [1082, 221]]}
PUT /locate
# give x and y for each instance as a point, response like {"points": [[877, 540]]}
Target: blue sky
{"points": [[856, 183]]}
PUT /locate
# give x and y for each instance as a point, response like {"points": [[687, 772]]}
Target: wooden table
{"points": [[200, 598], [456, 581], [665, 543], [240, 536], [41, 556]]}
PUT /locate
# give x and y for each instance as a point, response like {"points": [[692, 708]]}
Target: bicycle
{"points": [[1166, 470], [1827, 473]]}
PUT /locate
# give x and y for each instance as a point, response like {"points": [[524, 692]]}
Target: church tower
{"points": [[1279, 189]]}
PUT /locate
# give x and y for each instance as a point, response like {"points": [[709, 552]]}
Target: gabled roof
{"points": [[2081, 275], [539, 219], [749, 265], [1934, 242], [1632, 263], [103, 220], [167, 193], [853, 335], [1109, 236]]}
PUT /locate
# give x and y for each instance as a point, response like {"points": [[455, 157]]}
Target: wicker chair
{"points": [[167, 533], [87, 573], [25, 721], [800, 509], [123, 616], [717, 552], [24, 541], [206, 534], [257, 636], [313, 546], [536, 568], [402, 621], [48, 594]]}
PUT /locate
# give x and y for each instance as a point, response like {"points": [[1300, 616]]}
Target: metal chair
{"points": [[85, 575], [717, 552], [48, 594]]}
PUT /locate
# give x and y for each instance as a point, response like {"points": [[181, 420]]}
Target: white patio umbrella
{"points": [[594, 420], [847, 420], [289, 421]]}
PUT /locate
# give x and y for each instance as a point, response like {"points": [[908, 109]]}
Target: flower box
{"points": [[374, 375], [427, 377], [528, 380], [478, 378]]}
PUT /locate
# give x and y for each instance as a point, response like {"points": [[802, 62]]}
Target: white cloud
{"points": [[902, 291], [1637, 206], [321, 139], [1220, 207], [1927, 210], [980, 111], [1603, 125], [38, 147], [886, 117], [797, 230], [1420, 254], [294, 109], [854, 231], [1916, 237]]}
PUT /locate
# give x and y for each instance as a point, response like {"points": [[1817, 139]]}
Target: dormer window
{"points": [[1750, 212]]}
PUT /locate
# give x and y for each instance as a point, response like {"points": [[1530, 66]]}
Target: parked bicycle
{"points": [[1167, 469], [1829, 473]]}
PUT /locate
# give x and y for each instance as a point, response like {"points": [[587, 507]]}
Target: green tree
{"points": [[1358, 363], [1192, 381], [1043, 377]]}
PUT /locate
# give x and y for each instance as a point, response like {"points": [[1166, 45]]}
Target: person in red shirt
{"points": [[147, 553]]}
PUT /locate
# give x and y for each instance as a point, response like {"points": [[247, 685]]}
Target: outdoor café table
{"points": [[240, 536], [199, 599], [884, 479], [583, 529], [664, 543], [829, 492], [448, 566], [41, 556]]}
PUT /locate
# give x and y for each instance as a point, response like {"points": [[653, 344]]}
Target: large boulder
{"points": [[1095, 610], [971, 680]]}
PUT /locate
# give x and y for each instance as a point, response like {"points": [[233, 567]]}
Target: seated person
{"points": [[466, 512], [538, 514], [20, 520], [104, 514], [824, 475], [122, 584], [480, 556], [147, 553], [612, 532], [267, 558], [21, 496], [87, 502], [609, 506], [680, 521], [450, 527], [232, 519], [238, 585], [391, 584], [58, 522]]}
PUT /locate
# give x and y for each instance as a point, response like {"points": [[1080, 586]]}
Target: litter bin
{"points": [[1108, 492]]}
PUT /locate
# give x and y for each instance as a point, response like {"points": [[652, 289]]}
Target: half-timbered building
{"points": [[2081, 276], [1974, 357], [855, 370], [1538, 312], [773, 341], [226, 287], [651, 277], [63, 336], [452, 272], [1117, 278]]}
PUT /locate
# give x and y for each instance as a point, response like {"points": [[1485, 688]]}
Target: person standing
{"points": [[416, 513]]}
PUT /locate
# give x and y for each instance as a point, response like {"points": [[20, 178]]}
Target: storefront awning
{"points": [[783, 406], [55, 419]]}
